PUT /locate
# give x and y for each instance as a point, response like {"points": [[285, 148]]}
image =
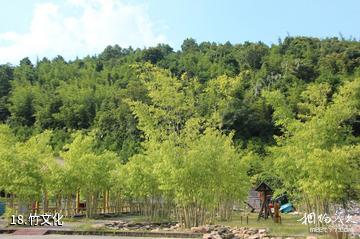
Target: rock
{"points": [[262, 231], [240, 235], [207, 236], [167, 226], [217, 236], [120, 223], [311, 237], [202, 229], [250, 232], [256, 236], [212, 235], [211, 227], [222, 230], [227, 236]]}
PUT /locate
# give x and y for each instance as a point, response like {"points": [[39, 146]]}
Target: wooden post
{"points": [[36, 207], [263, 208], [266, 213], [108, 201], [46, 202], [265, 192], [77, 202], [277, 218], [11, 204], [104, 201]]}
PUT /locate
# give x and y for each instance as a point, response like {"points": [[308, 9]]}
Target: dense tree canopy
{"points": [[192, 129]]}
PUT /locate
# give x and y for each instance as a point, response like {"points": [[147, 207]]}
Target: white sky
{"points": [[93, 25]]}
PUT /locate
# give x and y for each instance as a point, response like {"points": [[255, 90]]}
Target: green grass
{"points": [[288, 227], [84, 227], [90, 226]]}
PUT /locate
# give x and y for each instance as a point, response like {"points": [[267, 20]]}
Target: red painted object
{"points": [[30, 231]]}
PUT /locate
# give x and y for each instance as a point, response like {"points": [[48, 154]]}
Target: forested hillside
{"points": [[195, 127]]}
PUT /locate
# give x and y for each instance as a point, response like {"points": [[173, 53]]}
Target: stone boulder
{"points": [[201, 229], [212, 235]]}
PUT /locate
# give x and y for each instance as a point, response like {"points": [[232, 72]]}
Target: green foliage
{"points": [[191, 129], [316, 155], [85, 170], [6, 76], [186, 160], [25, 165]]}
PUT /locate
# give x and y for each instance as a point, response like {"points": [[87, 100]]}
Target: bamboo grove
{"points": [[182, 135]]}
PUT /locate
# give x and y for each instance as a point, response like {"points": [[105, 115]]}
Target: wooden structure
{"points": [[69, 206], [253, 200], [265, 195], [277, 217]]}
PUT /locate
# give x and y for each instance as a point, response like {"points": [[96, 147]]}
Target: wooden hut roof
{"points": [[263, 187]]}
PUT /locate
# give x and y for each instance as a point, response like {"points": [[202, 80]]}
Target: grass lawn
{"points": [[288, 227]]}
